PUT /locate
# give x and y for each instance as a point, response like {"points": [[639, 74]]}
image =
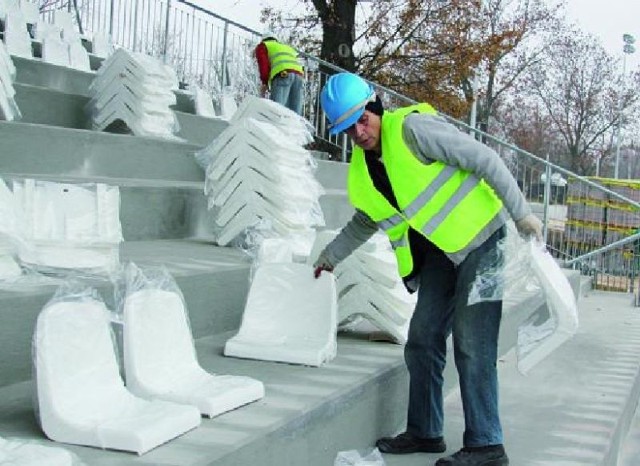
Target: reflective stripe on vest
{"points": [[281, 57], [447, 205]]}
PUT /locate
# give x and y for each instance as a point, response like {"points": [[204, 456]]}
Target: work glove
{"points": [[322, 263], [530, 226]]}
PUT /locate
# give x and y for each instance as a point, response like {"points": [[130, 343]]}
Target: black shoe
{"points": [[409, 443], [493, 455]]}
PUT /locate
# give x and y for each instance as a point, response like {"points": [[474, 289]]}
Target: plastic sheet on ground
{"points": [[80, 396], [19, 452], [289, 317], [359, 458]]}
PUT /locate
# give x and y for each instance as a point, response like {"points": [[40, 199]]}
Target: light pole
{"points": [[627, 49]]}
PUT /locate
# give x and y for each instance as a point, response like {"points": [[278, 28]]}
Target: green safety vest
{"points": [[445, 204], [281, 57]]}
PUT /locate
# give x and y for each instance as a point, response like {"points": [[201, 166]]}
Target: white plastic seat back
{"points": [[30, 11], [536, 340], [78, 56], [55, 51], [101, 44], [203, 103], [160, 358], [158, 345], [16, 35], [81, 397], [290, 316], [228, 104]]}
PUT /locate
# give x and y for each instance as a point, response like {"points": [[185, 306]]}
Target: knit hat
{"points": [[376, 106]]}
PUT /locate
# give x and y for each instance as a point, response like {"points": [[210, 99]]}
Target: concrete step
{"points": [[46, 106], [30, 149], [213, 280], [336, 208], [35, 72], [307, 415], [576, 407], [332, 175]]}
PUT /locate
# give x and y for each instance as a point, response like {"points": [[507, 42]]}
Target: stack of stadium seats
{"points": [[8, 108], [16, 34], [137, 91], [369, 287], [9, 236], [257, 172], [69, 226]]}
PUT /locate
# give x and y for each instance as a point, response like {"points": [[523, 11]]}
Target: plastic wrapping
{"points": [[369, 288], [359, 458], [558, 322], [72, 293], [159, 353], [23, 452], [9, 110], [256, 174], [272, 328], [69, 226], [524, 268], [505, 270], [135, 90], [80, 397]]}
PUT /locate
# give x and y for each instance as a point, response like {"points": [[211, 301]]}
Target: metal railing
{"points": [[590, 224]]}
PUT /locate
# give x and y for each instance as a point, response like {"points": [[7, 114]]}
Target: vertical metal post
{"points": [[547, 196], [344, 147], [135, 24], [619, 126], [111, 20], [166, 32], [223, 69]]}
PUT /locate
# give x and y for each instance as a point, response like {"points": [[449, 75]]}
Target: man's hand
{"points": [[530, 226], [322, 263]]}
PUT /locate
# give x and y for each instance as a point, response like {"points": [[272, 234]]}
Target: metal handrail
{"points": [[234, 59]]}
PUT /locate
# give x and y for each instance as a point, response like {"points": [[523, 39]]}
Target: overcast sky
{"points": [[606, 19]]}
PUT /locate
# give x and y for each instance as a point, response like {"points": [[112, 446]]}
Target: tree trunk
{"points": [[338, 31]]}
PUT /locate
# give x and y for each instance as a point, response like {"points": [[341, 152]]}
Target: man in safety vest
{"points": [[443, 199], [280, 72]]}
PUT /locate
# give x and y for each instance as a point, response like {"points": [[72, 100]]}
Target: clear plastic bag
{"points": [[70, 293], [17, 451], [525, 269], [504, 271], [359, 458]]}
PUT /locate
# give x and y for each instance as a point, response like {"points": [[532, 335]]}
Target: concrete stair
{"points": [[308, 414]]}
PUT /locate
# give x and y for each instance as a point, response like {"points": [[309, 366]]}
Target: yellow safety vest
{"points": [[445, 204], [281, 57]]}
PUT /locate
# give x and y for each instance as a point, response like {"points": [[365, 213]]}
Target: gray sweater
{"points": [[431, 138]]}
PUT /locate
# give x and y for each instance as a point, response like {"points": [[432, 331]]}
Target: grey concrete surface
{"points": [[45, 106], [574, 408], [29, 149], [213, 280], [306, 416], [571, 409]]}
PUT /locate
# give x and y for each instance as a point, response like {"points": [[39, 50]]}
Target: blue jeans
{"points": [[442, 309], [287, 91]]}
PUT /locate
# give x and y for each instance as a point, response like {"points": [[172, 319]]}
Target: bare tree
{"points": [[577, 83]]}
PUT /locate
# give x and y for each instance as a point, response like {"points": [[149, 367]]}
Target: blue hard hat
{"points": [[343, 99]]}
